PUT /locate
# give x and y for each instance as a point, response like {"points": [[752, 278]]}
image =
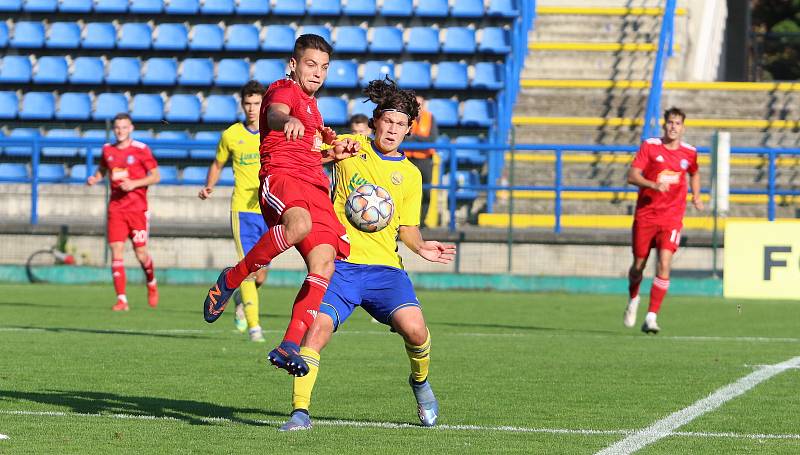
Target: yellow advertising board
{"points": [[762, 260]]}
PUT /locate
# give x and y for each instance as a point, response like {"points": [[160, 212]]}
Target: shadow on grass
{"points": [[30, 304], [189, 411], [532, 328], [109, 332]]}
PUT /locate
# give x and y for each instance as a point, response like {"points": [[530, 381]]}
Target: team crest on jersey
{"points": [[130, 159], [684, 164], [397, 178]]}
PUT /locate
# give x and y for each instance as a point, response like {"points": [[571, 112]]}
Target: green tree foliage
{"points": [[776, 24]]}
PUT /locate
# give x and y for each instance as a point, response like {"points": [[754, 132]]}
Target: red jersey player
{"points": [[132, 169], [294, 196], [659, 170]]}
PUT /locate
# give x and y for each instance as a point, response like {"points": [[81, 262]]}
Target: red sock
{"points": [[118, 273], [634, 280], [305, 308], [657, 292], [148, 270], [268, 246]]}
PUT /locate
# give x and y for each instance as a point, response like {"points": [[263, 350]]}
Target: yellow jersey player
{"points": [[240, 143], [372, 276]]}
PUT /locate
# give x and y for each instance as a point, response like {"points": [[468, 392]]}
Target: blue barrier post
{"points": [[451, 192], [650, 128], [771, 185], [35, 181], [557, 223]]}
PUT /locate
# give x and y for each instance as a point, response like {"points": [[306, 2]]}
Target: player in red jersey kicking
{"points": [[294, 196], [132, 169], [659, 170]]}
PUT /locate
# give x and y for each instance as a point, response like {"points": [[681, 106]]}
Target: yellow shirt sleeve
{"points": [[409, 208], [223, 151]]}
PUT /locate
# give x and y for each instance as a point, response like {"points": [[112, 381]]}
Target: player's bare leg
{"points": [[635, 274], [147, 266], [410, 324], [118, 275], [658, 291]]}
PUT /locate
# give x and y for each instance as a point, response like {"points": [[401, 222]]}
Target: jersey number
{"points": [[139, 236]]}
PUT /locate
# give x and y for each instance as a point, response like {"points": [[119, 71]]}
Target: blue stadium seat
{"points": [[226, 177], [232, 72], [205, 154], [459, 40], [466, 179], [87, 70], [319, 30], [111, 6], [432, 8], [252, 7], [444, 110], [3, 34], [162, 152], [21, 150], [123, 71], [50, 70], [451, 76], [423, 40], [325, 8], [196, 71], [415, 76], [146, 6], [40, 6], [495, 40], [135, 35], [171, 37], [376, 69], [182, 7], [467, 8], [386, 40], [97, 134], [15, 69], [74, 106], [268, 71], [342, 74], [12, 172], [278, 38], [207, 37], [488, 76], [362, 106], [241, 37], [147, 107], [9, 105], [397, 8], [194, 175], [75, 6], [168, 174], [289, 7], [107, 105], [360, 8], [220, 109], [333, 110], [78, 173], [350, 38], [28, 35], [468, 156], [38, 106], [217, 7], [184, 108], [99, 35], [63, 35], [502, 8], [143, 135], [61, 151], [160, 71], [477, 113], [11, 5]]}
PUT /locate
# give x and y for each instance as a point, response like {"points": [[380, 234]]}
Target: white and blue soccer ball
{"points": [[369, 208]]}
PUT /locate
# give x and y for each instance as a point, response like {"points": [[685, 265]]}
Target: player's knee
{"points": [[417, 335], [297, 230], [319, 333]]}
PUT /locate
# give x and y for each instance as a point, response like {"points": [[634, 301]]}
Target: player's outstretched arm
{"points": [[341, 150], [97, 176], [278, 119], [635, 177], [431, 250], [212, 178]]}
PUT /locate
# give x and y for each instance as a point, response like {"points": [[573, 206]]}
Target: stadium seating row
{"points": [[388, 8], [248, 37], [232, 72], [188, 108], [57, 173]]}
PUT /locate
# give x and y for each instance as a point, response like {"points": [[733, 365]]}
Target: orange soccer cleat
{"points": [[152, 294]]}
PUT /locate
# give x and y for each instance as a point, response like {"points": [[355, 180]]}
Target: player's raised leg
{"points": [[410, 324], [635, 275], [658, 291], [118, 275]]}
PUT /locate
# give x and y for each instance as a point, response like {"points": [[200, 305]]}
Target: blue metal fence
{"points": [[665, 51]]}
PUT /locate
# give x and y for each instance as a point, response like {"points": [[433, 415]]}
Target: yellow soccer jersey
{"points": [[398, 176], [241, 146]]}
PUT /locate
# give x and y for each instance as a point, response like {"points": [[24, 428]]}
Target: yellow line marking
{"points": [[599, 221], [668, 85], [620, 121], [615, 196], [594, 47], [611, 11], [626, 158]]}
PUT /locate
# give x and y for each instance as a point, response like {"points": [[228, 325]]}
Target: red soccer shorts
{"points": [[647, 235], [134, 225], [281, 192]]}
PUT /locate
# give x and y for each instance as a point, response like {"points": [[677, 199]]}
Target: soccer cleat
{"points": [[121, 305], [239, 319], [650, 327], [298, 421], [152, 294], [287, 356], [629, 318], [427, 405], [256, 335], [217, 298]]}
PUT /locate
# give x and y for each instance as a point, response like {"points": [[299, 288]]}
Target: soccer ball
{"points": [[369, 208]]}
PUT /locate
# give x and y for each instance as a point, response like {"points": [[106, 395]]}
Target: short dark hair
{"points": [[310, 41], [388, 96], [674, 111], [252, 88], [359, 118], [122, 116]]}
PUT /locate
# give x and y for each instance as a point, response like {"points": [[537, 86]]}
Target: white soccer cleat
{"points": [[629, 318], [650, 326], [256, 335]]}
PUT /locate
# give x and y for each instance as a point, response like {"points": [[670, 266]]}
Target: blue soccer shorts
{"points": [[378, 289], [247, 227]]}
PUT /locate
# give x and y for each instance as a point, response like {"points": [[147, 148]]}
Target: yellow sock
{"points": [[420, 358], [250, 299], [303, 386]]}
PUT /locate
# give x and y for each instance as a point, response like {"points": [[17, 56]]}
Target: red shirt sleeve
{"points": [[148, 161], [282, 95], [693, 164], [641, 159]]}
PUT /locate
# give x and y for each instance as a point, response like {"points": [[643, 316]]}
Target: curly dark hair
{"points": [[387, 95]]}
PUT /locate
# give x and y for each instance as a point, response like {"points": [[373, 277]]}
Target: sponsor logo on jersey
{"points": [[364, 156], [669, 177], [684, 164], [397, 178], [660, 159]]}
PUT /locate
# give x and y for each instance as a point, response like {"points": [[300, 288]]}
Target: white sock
{"points": [[651, 317], [122, 297], [152, 283]]}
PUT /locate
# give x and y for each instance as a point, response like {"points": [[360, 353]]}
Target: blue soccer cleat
{"points": [[217, 298], [298, 421], [427, 405], [287, 356]]}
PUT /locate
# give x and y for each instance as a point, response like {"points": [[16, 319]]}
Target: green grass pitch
{"points": [[514, 373]]}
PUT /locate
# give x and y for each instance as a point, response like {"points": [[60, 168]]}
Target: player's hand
{"points": [[437, 252], [661, 187], [344, 149], [92, 180], [205, 193], [127, 185], [293, 129], [698, 203], [328, 135]]}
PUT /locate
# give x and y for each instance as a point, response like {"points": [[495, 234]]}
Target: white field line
{"points": [[394, 426], [667, 425], [3, 436]]}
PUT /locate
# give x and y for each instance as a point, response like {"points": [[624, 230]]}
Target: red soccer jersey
{"points": [[300, 158], [132, 162], [658, 164]]}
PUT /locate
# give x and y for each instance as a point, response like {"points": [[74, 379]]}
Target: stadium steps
{"points": [[600, 222]]}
